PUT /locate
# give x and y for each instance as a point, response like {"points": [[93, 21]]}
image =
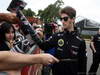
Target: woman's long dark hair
{"points": [[5, 28]]}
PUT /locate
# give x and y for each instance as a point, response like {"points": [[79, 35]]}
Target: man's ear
{"points": [[73, 19]]}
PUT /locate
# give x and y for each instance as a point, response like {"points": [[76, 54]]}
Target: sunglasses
{"points": [[64, 18]]}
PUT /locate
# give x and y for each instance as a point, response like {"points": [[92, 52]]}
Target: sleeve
{"points": [[82, 59], [22, 45], [48, 44], [82, 49]]}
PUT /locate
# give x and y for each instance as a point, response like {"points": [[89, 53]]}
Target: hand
{"points": [[39, 32], [47, 59], [94, 51], [10, 17]]}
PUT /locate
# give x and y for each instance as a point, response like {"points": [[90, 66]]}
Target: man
{"points": [[70, 48], [11, 60], [95, 47]]}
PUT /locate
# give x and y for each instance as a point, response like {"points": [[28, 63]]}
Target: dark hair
{"points": [[5, 28], [71, 12], [48, 29]]}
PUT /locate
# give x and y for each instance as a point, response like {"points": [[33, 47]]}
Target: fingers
{"points": [[49, 59], [55, 59]]}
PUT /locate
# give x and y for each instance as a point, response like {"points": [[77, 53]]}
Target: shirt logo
{"points": [[60, 42]]}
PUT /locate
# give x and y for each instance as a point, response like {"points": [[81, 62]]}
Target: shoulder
{"points": [[80, 38], [97, 35], [4, 46], [58, 34]]}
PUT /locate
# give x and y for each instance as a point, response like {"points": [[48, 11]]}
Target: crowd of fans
{"points": [[20, 54]]}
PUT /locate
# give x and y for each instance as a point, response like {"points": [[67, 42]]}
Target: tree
{"points": [[39, 12], [28, 12], [51, 12]]}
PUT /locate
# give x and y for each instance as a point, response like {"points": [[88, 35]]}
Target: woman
{"points": [[7, 37]]}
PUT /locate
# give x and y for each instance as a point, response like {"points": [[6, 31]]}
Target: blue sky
{"points": [[86, 8]]}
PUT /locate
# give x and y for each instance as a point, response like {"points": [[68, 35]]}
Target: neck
{"points": [[70, 29]]}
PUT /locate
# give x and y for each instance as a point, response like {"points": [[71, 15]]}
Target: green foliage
{"points": [[51, 12], [28, 12], [40, 12]]}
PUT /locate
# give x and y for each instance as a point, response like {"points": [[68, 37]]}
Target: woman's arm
{"points": [[18, 60]]}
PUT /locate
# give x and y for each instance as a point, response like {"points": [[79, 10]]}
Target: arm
{"points": [[9, 17], [82, 58], [92, 44], [27, 29], [82, 49], [11, 60], [92, 47]]}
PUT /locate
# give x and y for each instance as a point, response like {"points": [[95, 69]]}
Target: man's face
{"points": [[66, 21]]}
